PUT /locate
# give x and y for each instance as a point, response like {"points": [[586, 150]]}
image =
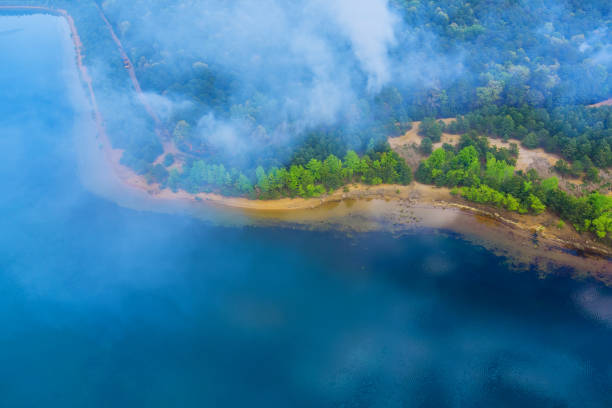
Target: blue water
{"points": [[104, 306]]}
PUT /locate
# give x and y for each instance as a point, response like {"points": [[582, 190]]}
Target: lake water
{"points": [[106, 306]]}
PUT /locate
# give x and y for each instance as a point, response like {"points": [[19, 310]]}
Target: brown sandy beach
{"points": [[525, 239]]}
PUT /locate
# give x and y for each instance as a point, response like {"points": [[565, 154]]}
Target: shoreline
{"points": [[362, 207], [525, 240]]}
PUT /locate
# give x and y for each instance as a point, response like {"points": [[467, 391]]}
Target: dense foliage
{"points": [[541, 53], [489, 56], [313, 179], [581, 135], [481, 174]]}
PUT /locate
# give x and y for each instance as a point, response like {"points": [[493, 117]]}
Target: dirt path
{"points": [[130, 68], [412, 136], [407, 145], [607, 102], [537, 159]]}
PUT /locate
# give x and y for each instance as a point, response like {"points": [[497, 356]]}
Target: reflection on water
{"points": [[102, 305]]}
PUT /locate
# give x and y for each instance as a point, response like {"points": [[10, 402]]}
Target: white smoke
{"points": [[371, 26]]}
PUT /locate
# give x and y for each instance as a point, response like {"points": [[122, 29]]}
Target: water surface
{"points": [[102, 305]]}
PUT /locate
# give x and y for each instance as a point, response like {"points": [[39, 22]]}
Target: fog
{"points": [[109, 306], [285, 67], [266, 73]]}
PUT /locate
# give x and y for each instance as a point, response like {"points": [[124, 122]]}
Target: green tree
{"points": [[174, 180], [550, 184], [497, 172], [351, 163], [602, 225], [262, 180], [331, 172], [431, 128], [536, 205], [531, 141], [426, 146], [315, 166]]}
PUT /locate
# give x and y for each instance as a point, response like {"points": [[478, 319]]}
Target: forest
{"points": [[581, 135], [269, 116], [508, 69], [485, 175], [313, 179]]}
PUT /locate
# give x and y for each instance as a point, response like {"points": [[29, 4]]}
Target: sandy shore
{"points": [[526, 240]]}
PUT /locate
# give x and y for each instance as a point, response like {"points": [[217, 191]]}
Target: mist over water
{"points": [[102, 305]]}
